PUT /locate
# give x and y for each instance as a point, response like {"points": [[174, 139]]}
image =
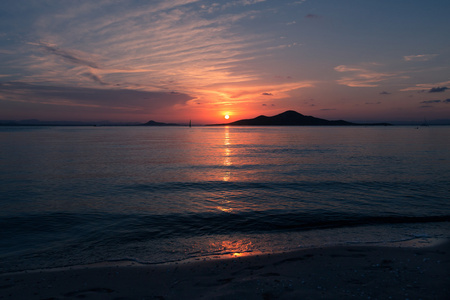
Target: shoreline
{"points": [[335, 272], [416, 242]]}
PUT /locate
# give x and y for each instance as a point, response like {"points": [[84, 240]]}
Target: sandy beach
{"points": [[342, 272]]}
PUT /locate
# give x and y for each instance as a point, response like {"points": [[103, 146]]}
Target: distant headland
{"points": [[154, 123], [293, 118]]}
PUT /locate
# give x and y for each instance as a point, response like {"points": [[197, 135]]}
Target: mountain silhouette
{"points": [[154, 123], [290, 118]]}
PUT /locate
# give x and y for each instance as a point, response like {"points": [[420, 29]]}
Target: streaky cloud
{"points": [[438, 89], [364, 76], [420, 57], [163, 46], [425, 86], [436, 101], [119, 99], [68, 55], [95, 78], [216, 6], [431, 101]]}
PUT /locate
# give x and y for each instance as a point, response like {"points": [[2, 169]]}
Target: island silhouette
{"points": [[287, 118], [291, 118], [154, 123]]}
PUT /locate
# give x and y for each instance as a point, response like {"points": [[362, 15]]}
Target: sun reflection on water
{"points": [[227, 154], [225, 209], [235, 248]]}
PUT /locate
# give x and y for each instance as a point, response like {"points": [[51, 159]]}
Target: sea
{"points": [[72, 196]]}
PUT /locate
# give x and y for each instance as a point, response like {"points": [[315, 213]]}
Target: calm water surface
{"points": [[76, 195]]}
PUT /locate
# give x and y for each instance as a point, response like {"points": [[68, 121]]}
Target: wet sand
{"points": [[343, 272]]}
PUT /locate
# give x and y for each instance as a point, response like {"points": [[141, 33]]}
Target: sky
{"points": [[181, 60]]}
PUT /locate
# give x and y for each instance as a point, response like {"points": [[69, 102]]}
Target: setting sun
{"points": [[227, 117]]}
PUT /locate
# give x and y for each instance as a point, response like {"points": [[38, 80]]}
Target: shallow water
{"points": [[75, 195]]}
